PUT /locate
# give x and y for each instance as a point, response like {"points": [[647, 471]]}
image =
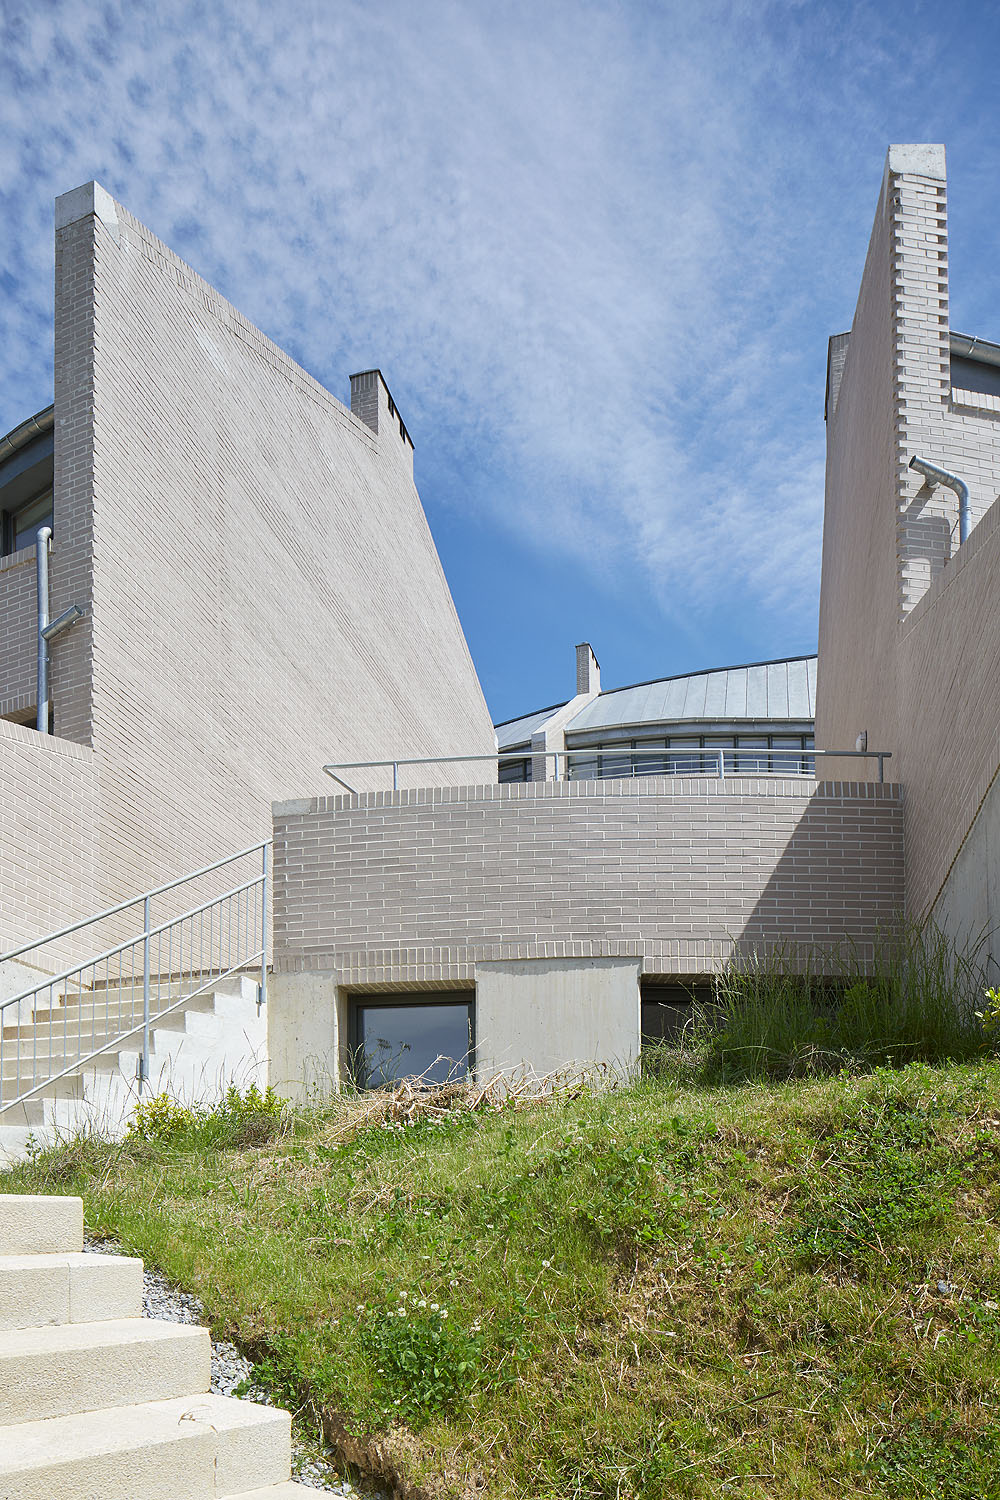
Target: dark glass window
{"points": [[514, 770], [430, 1038]]}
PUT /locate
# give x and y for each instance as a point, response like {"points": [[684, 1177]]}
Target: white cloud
{"points": [[600, 245]]}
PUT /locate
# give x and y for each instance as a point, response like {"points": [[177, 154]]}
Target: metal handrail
{"points": [[116, 1041], [236, 939], [132, 942], [112, 911], [588, 752]]}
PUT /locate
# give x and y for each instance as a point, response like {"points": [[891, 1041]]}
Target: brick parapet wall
{"points": [[413, 889]]}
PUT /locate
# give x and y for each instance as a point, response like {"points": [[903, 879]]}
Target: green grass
{"points": [[765, 1290], [915, 999]]}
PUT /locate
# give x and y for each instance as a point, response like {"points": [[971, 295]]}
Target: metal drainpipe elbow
{"points": [[934, 474]]}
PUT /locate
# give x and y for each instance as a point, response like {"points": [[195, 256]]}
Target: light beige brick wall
{"points": [[413, 889], [18, 632], [948, 658], [261, 588], [909, 645], [48, 826]]}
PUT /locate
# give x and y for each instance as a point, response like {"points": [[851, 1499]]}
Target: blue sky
{"points": [[596, 249]]}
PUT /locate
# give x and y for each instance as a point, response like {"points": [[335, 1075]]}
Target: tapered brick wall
{"points": [[909, 644], [414, 888], [261, 590]]}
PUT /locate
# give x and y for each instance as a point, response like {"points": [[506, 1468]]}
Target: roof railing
{"points": [[738, 755]]}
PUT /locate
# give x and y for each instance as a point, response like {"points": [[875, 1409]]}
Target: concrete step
{"points": [[71, 1017], [39, 1290], [79, 1367], [287, 1491], [33, 1224], [43, 1057], [188, 1448]]}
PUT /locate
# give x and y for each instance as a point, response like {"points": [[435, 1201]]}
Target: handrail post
{"points": [[144, 1055], [395, 775], [262, 992], [722, 764]]}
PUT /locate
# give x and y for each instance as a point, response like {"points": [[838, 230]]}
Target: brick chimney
{"points": [[588, 670], [372, 402]]}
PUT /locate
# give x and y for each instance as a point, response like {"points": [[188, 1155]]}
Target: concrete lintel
{"points": [[88, 199], [296, 808], [926, 160]]}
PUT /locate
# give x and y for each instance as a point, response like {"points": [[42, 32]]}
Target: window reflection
{"points": [[429, 1041]]}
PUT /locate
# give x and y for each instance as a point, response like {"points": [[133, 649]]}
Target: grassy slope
{"points": [[764, 1291]]}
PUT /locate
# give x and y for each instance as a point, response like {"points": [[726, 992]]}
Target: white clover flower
{"points": [[360, 1307], [403, 1296], [444, 1312], [546, 1264], [434, 1306], [422, 1302]]}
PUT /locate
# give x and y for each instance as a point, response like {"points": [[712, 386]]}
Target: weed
{"points": [[883, 1178], [937, 1457], [424, 1361], [236, 1120], [161, 1118], [776, 1015]]}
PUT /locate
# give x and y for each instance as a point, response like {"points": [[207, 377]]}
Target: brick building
{"points": [[257, 587], [259, 597], [909, 644]]}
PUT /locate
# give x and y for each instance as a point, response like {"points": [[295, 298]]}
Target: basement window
{"points": [[425, 1036]]}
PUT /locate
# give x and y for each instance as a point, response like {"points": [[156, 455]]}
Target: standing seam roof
{"points": [[761, 690]]}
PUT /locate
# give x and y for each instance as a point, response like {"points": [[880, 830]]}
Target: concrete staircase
{"points": [[213, 1040], [97, 1403]]}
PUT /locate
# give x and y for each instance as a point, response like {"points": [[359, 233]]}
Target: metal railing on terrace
{"points": [[592, 765], [52, 1028]]}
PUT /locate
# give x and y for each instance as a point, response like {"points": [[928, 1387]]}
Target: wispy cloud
{"points": [[596, 247]]}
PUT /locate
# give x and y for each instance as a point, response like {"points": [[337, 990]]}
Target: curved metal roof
{"points": [[778, 690], [760, 690]]}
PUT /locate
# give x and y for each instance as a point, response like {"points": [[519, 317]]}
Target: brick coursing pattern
{"points": [[413, 888], [261, 588], [48, 834], [909, 643], [19, 634]]}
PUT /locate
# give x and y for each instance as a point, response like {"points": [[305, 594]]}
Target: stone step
{"points": [[37, 1225], [40, 1290], [196, 1447], [80, 1367]]}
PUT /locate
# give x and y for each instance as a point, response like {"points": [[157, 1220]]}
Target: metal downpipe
{"points": [[934, 474], [42, 539]]}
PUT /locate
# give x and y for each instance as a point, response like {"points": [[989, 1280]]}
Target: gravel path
{"points": [[230, 1369]]}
